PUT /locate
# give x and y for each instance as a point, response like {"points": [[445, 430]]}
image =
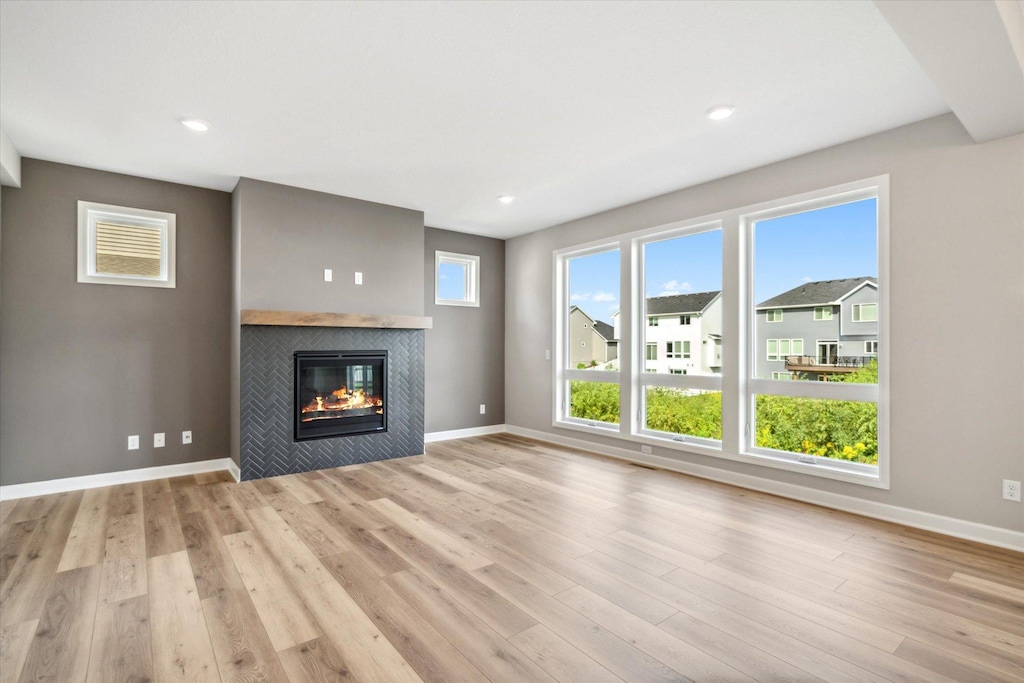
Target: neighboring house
{"points": [[818, 329], [590, 341], [683, 334]]}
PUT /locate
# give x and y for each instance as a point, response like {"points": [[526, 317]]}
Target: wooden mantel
{"points": [[300, 319]]}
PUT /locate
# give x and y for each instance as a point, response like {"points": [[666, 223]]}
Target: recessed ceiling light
{"points": [[722, 111], [198, 125], [506, 199]]}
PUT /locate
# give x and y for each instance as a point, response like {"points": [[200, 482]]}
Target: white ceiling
{"points": [[572, 107]]}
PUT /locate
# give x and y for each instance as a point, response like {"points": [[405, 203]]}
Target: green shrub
{"points": [[843, 430]]}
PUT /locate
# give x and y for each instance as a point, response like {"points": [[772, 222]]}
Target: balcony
{"points": [[833, 365]]}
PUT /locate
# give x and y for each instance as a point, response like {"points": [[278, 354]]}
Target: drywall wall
{"points": [[465, 350], [82, 366], [957, 259], [288, 236]]}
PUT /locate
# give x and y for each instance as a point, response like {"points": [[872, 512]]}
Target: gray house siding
{"points": [[797, 323], [864, 295]]}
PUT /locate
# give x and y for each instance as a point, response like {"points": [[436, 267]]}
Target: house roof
{"points": [[817, 293], [680, 303], [604, 329]]}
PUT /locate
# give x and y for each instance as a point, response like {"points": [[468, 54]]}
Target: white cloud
{"points": [[599, 297], [675, 287]]}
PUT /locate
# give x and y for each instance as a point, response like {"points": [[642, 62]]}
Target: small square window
{"points": [[118, 245], [774, 315], [871, 347], [822, 312], [456, 279], [652, 322]]}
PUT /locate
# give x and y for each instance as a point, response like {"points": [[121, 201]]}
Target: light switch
{"points": [[359, 278], [328, 275], [186, 437]]}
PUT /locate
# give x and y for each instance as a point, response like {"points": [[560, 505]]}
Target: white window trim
{"points": [[768, 314], [825, 310], [738, 324], [89, 213], [855, 315], [472, 284], [867, 351]]}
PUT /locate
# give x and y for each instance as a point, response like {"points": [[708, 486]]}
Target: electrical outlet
{"points": [[359, 278], [547, 354], [645, 449], [328, 275], [483, 408], [133, 442], [158, 440], [1011, 490], [186, 437]]}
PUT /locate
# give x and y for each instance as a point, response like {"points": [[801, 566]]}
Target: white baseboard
{"points": [[234, 470], [463, 433], [91, 481], [950, 526]]}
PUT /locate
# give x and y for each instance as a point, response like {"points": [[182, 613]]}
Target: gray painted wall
{"points": [[466, 348], [287, 236], [956, 244], [121, 360]]}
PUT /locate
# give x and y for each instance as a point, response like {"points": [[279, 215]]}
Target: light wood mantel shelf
{"points": [[300, 319]]}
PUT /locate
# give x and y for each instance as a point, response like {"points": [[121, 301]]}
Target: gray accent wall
{"points": [[957, 244], [287, 236], [465, 350], [83, 366]]}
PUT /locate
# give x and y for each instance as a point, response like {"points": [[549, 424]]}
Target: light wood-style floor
{"points": [[490, 559]]}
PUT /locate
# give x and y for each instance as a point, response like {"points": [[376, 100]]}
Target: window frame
{"points": [[737, 387], [770, 313], [823, 318], [91, 213], [857, 317], [867, 347], [472, 278]]}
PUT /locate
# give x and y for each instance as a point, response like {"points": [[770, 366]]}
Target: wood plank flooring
{"points": [[490, 559]]}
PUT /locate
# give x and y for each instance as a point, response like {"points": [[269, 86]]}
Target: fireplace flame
{"points": [[340, 400]]}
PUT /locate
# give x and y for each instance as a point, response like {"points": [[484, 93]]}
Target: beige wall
{"points": [[82, 366], [957, 249], [585, 344]]}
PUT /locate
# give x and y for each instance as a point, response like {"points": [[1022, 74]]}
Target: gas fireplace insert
{"points": [[338, 393]]}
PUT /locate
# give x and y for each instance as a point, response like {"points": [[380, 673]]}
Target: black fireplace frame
{"points": [[327, 431]]}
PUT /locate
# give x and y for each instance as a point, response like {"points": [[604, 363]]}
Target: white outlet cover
{"points": [[547, 354], [328, 275], [359, 278], [186, 437], [1011, 490], [158, 440], [133, 442], [483, 408]]}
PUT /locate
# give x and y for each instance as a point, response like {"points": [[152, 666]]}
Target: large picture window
{"points": [[757, 334]]}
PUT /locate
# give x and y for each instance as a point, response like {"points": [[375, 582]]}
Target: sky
{"points": [[824, 244], [451, 281]]}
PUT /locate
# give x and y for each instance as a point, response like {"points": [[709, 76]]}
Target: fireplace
{"points": [[338, 393]]}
